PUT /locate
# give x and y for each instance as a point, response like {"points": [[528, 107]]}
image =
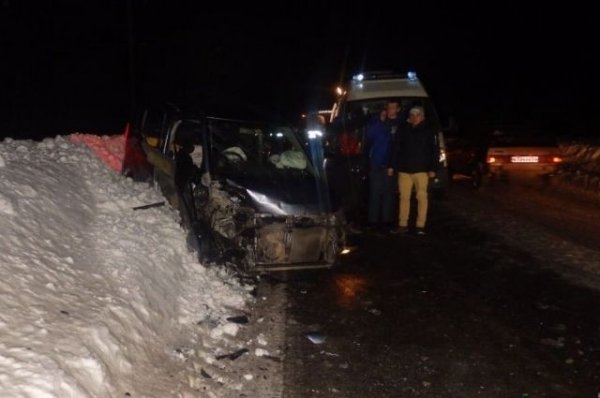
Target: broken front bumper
{"points": [[294, 242]]}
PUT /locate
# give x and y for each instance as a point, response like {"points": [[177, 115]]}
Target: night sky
{"points": [[85, 65]]}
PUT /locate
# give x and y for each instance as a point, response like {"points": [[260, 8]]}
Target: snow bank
{"points": [[580, 170], [110, 149], [96, 299]]}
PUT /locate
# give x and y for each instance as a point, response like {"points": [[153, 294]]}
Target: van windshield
{"points": [[363, 110]]}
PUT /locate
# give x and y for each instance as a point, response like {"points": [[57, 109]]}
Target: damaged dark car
{"points": [[249, 193]]}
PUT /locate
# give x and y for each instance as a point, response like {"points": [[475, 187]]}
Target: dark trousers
{"points": [[381, 196]]}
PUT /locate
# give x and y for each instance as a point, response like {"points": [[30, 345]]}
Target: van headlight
{"points": [[442, 155], [314, 134]]}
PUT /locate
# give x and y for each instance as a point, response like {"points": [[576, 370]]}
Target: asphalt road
{"points": [[500, 299]]}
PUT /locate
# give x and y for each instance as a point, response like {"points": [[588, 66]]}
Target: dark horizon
{"points": [[83, 67]]}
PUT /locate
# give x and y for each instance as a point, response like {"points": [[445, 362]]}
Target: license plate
{"points": [[524, 159]]}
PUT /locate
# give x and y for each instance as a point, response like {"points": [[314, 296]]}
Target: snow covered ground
{"points": [[100, 300], [579, 173]]}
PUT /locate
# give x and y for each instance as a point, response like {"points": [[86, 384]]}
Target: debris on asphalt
{"points": [[261, 340], [242, 319], [375, 311], [149, 206], [272, 358], [316, 337], [204, 374], [261, 352], [556, 343], [234, 355]]}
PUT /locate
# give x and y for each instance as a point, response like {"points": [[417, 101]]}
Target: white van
{"points": [[365, 95]]}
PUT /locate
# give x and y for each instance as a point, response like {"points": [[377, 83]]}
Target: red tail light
{"points": [[498, 159]]}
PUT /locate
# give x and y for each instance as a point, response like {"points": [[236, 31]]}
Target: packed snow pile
{"points": [[98, 299], [109, 148], [580, 169]]}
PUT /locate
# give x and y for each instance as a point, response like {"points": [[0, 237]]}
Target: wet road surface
{"points": [[460, 312]]}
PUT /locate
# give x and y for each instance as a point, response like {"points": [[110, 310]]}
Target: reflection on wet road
{"points": [[349, 288], [457, 313]]}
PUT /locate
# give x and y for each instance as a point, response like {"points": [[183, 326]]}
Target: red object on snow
{"points": [[110, 149], [135, 164], [123, 153]]}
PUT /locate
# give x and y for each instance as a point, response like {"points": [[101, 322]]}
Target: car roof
{"points": [[384, 88]]}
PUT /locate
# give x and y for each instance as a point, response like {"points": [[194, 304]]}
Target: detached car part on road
{"points": [[247, 191]]}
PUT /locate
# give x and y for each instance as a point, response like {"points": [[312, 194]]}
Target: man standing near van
{"points": [[414, 157], [380, 135]]}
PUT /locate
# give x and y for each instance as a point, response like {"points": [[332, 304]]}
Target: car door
{"points": [[161, 156]]}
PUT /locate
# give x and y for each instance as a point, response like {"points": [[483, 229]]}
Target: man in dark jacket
{"points": [[380, 135], [414, 157]]}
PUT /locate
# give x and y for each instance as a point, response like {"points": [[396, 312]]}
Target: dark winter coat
{"points": [[415, 149], [380, 135]]}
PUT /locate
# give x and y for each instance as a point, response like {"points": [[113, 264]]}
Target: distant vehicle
{"points": [[253, 196], [514, 154], [465, 158]]}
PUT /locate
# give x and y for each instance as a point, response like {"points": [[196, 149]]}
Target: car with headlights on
{"points": [[517, 155], [250, 193]]}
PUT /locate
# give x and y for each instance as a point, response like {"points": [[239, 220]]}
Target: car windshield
{"points": [[250, 148], [522, 139]]}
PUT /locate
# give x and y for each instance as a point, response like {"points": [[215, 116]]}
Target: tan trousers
{"points": [[406, 182]]}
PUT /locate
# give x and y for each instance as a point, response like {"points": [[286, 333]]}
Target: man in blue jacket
{"points": [[380, 135], [414, 157]]}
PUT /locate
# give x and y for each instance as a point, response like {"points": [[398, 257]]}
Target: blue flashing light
{"points": [[359, 77], [412, 75]]}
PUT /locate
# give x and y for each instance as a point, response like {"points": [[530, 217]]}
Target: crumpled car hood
{"points": [[282, 194]]}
